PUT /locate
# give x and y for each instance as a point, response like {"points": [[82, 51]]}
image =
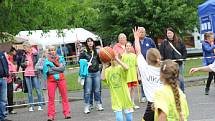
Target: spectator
{"points": [[31, 77], [173, 48], [4, 73], [119, 48], [92, 83], [208, 51]]}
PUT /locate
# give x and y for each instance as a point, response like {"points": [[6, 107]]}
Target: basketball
{"points": [[106, 54]]}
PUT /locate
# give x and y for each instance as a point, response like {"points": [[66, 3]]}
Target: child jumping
{"points": [[149, 72], [130, 59], [170, 102], [116, 79]]}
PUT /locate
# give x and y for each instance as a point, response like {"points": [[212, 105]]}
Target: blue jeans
{"points": [[92, 84], [33, 81], [3, 98], [181, 76]]}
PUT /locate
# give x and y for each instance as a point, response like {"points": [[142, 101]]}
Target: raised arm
{"points": [[125, 66], [137, 40]]}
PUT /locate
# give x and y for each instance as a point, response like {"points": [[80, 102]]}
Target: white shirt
{"points": [[150, 77]]}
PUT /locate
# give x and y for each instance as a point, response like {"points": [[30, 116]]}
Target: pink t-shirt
{"points": [[11, 67], [29, 71], [118, 48]]}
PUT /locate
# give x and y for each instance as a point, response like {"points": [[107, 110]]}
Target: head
{"points": [[27, 46], [142, 32], [169, 74], [122, 39], [128, 47], [12, 50], [209, 36], [153, 57], [90, 45], [52, 50], [170, 34]]}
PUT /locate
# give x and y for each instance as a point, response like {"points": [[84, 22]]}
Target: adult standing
{"points": [[173, 48], [208, 51], [92, 82], [4, 72], [53, 71], [145, 44], [31, 77]]}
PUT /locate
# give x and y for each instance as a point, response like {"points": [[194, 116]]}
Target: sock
{"points": [[119, 116], [128, 116]]}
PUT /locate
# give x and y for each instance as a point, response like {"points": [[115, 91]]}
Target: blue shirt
{"points": [[208, 51], [145, 44]]}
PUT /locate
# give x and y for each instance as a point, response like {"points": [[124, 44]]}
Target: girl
{"points": [[149, 72], [173, 48], [53, 70], [92, 84], [116, 79], [208, 51], [170, 102], [130, 59], [31, 78]]}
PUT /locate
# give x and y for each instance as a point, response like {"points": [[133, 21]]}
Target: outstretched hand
{"points": [[193, 70], [136, 33]]}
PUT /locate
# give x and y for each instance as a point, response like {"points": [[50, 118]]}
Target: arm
{"points": [[153, 43], [103, 72], [204, 69], [137, 40], [161, 49], [207, 47], [184, 51], [125, 66], [161, 115]]}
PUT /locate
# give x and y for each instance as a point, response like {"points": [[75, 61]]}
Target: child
{"points": [[149, 72], [170, 102], [120, 98], [130, 59]]}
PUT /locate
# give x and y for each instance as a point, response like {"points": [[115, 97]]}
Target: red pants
{"points": [[52, 85]]}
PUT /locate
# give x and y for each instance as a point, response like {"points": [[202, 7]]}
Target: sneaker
{"points": [[40, 108], [143, 100], [12, 112], [136, 107], [99, 107], [86, 110], [206, 91], [50, 119], [68, 117], [6, 120], [31, 109]]}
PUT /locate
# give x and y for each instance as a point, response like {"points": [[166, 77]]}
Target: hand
{"points": [[136, 33], [89, 64], [193, 70], [105, 65]]}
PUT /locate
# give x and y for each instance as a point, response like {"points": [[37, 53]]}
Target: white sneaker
{"points": [[40, 108], [31, 109], [136, 107], [91, 107], [99, 107], [143, 100], [86, 110]]}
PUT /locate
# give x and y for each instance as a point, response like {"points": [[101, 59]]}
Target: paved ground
{"points": [[202, 108]]}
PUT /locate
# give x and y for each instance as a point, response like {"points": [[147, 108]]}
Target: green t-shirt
{"points": [[164, 100], [131, 60], [120, 96]]}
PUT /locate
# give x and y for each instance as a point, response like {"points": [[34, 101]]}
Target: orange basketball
{"points": [[106, 54]]}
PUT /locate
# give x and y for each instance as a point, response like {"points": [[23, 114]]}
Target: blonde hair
{"points": [[208, 34], [170, 73], [153, 57]]}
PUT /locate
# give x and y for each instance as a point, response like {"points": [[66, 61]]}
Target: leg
{"points": [[149, 113], [52, 85], [129, 116], [38, 90], [87, 92], [10, 96], [63, 93], [210, 78], [119, 116], [3, 98], [30, 88], [181, 76]]}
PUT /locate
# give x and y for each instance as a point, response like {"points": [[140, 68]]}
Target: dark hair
{"points": [[12, 49], [175, 37], [94, 47]]}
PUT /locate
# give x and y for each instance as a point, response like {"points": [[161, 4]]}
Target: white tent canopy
{"points": [[57, 37]]}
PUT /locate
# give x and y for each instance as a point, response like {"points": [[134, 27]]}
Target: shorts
{"points": [[132, 84]]}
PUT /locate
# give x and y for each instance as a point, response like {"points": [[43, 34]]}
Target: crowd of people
{"points": [[158, 71]]}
